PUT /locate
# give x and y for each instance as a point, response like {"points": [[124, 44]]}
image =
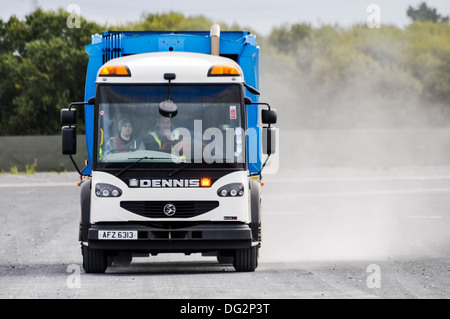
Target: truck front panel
{"points": [[149, 199]]}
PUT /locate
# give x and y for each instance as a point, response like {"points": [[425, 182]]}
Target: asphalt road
{"points": [[330, 233]]}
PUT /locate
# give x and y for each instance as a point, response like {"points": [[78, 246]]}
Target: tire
{"points": [[94, 260], [246, 260], [225, 259], [255, 225]]}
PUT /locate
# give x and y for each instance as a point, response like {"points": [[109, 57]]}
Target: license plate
{"points": [[115, 234]]}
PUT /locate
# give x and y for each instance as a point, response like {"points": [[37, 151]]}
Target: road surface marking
{"points": [[424, 217], [356, 179], [364, 193], [38, 185]]}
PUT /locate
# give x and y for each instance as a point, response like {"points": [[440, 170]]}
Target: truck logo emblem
{"points": [[169, 210]]}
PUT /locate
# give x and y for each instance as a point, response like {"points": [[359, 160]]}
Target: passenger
{"points": [[125, 140]]}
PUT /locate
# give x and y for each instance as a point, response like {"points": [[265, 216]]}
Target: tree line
{"points": [[360, 77], [43, 65], [43, 68]]}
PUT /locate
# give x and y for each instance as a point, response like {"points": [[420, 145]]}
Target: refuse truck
{"points": [[177, 142]]}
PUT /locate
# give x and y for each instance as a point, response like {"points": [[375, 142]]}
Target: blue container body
{"points": [[240, 46]]}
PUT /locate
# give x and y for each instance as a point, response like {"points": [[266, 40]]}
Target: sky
{"points": [[260, 15]]}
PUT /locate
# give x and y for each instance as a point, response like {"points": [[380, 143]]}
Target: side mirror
{"points": [[268, 117], [69, 140], [68, 117], [269, 138]]}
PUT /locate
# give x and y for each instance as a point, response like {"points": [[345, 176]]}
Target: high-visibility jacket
{"points": [[162, 145]]}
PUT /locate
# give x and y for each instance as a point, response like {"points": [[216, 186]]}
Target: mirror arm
{"points": [[251, 89], [262, 167], [77, 103], [259, 103], [76, 166]]}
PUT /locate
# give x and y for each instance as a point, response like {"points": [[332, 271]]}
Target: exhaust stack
{"points": [[215, 39]]}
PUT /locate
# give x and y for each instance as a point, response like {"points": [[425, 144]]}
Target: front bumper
{"points": [[198, 238]]}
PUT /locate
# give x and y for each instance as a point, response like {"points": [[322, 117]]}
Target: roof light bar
{"points": [[224, 70], [115, 70]]}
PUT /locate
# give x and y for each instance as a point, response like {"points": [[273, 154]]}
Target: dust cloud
{"points": [[355, 214], [353, 156]]}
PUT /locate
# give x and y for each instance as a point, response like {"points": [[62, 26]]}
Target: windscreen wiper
{"points": [[178, 169], [138, 160]]}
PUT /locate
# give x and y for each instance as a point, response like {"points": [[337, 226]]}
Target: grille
{"points": [[155, 209]]}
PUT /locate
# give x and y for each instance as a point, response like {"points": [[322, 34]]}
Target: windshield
{"points": [[207, 128]]}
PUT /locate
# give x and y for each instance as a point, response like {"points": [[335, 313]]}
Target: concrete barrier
{"points": [[20, 151], [375, 148], [298, 149]]}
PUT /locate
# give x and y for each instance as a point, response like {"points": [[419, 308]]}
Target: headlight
{"points": [[107, 190], [231, 190]]}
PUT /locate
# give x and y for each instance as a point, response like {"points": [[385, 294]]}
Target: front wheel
{"points": [[95, 261], [246, 260], [223, 259]]}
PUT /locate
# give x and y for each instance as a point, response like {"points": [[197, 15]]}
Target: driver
{"points": [[162, 138], [125, 140]]}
